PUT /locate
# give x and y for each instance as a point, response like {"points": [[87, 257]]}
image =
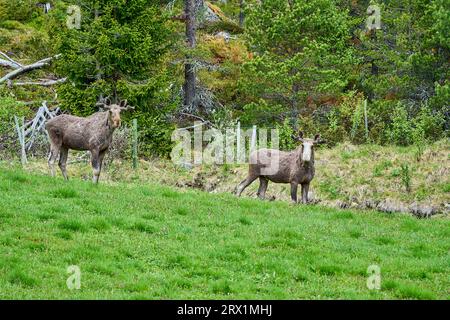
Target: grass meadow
{"points": [[148, 241]]}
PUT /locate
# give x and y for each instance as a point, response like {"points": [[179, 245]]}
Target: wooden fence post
{"points": [[365, 120], [253, 142], [21, 134], [135, 144], [239, 153]]}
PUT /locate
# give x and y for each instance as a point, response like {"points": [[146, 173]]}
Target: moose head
{"points": [[308, 146], [114, 110]]}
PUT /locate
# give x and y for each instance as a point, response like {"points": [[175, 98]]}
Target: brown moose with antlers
{"points": [[93, 133]]}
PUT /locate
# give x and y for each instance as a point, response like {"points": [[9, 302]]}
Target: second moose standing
{"points": [[295, 167]]}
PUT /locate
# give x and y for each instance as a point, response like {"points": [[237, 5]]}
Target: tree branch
{"points": [[9, 62], [23, 69], [44, 82]]}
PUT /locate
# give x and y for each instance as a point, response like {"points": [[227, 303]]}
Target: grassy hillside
{"points": [[150, 241], [355, 176]]}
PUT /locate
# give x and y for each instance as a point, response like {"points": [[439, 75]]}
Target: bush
{"points": [[286, 133], [425, 126], [428, 124], [20, 10], [401, 130], [9, 107], [154, 136]]}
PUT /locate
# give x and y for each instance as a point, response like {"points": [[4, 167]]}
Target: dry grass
{"points": [[346, 176]]}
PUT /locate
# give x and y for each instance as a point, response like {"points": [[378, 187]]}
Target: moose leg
{"points": [[244, 184], [54, 151], [294, 186], [263, 182], [101, 155], [62, 161], [96, 167], [305, 188]]}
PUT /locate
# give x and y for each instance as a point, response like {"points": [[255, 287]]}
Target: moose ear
{"points": [[300, 136], [123, 103], [107, 101]]}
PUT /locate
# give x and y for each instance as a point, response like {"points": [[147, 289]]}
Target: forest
{"points": [[357, 93], [293, 65]]}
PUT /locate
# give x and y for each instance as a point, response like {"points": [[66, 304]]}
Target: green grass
{"points": [[149, 241]]}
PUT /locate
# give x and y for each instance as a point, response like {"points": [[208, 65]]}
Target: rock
{"points": [[423, 211], [342, 204], [391, 206], [209, 15], [224, 35], [368, 204], [186, 165]]}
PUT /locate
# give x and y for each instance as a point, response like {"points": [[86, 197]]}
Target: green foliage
{"points": [[440, 103], [19, 10], [401, 130], [287, 136], [305, 66], [10, 107], [405, 175], [406, 130], [300, 50], [119, 53], [312, 62]]}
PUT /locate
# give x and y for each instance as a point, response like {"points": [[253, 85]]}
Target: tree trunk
{"points": [[241, 13], [189, 72]]}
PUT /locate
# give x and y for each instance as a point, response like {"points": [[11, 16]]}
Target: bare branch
{"points": [[27, 68], [194, 116], [9, 62], [44, 83]]}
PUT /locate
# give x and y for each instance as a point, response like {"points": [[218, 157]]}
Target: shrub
{"points": [[9, 107], [401, 131], [406, 177], [428, 124], [286, 133], [20, 10]]}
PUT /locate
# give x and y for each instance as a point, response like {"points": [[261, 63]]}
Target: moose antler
{"points": [[104, 102], [299, 137], [123, 105]]}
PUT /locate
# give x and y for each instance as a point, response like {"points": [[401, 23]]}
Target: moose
{"points": [[93, 133], [295, 167]]}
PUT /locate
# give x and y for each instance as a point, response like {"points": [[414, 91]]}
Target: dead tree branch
{"points": [[9, 62], [43, 82], [23, 69]]}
